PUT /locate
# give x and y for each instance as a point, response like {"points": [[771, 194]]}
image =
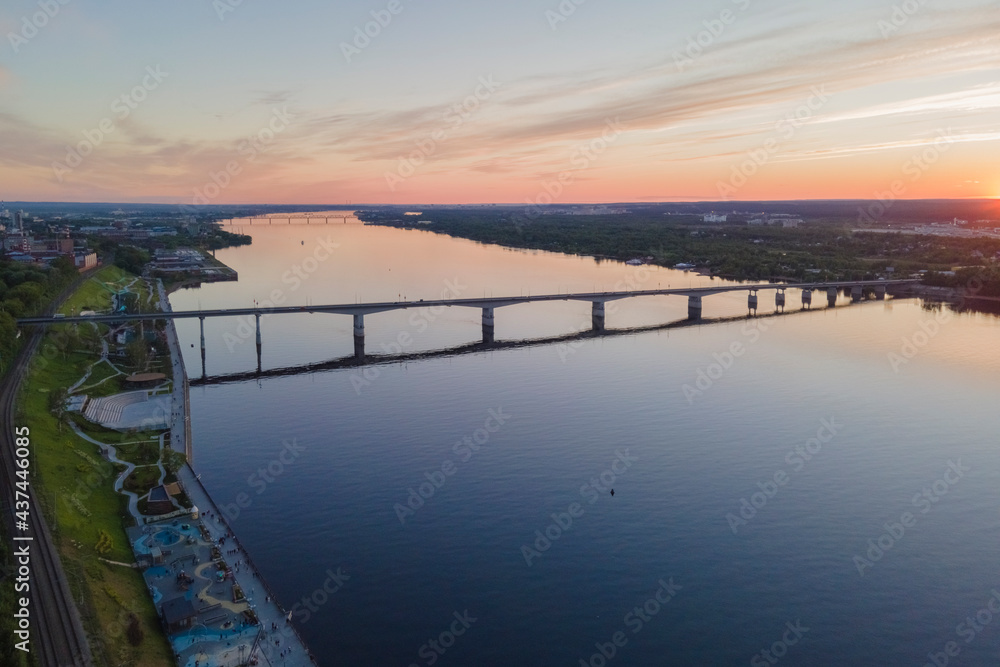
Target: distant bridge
{"points": [[488, 305], [310, 218]]}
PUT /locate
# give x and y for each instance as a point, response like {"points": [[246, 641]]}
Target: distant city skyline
{"points": [[396, 101]]}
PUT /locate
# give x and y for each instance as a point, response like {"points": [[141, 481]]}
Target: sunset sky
{"points": [[475, 101]]}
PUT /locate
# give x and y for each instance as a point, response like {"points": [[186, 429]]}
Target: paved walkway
{"points": [[261, 599], [179, 417], [290, 650]]}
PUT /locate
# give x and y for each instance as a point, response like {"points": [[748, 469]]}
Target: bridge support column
{"points": [[831, 296], [694, 307], [257, 315], [856, 293], [752, 302], [201, 321], [779, 299], [880, 292], [597, 316], [359, 336], [807, 298], [488, 325]]}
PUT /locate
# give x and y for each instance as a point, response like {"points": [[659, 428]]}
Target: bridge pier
{"points": [[359, 337], [856, 293], [779, 299], [807, 298], [831, 296], [488, 325], [257, 315], [694, 307], [752, 302], [201, 321], [880, 292], [597, 316]]}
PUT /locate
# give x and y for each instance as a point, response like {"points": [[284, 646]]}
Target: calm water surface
{"points": [[837, 443]]}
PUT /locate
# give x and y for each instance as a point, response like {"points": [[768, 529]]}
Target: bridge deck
{"points": [[484, 302]]}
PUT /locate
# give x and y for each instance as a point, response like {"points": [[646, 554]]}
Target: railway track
{"points": [[57, 635]]}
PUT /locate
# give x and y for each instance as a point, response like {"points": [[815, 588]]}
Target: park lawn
{"points": [[142, 479], [63, 466], [98, 382], [140, 453], [110, 436], [111, 385], [94, 294]]}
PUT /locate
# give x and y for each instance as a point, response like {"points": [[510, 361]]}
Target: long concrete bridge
{"points": [[488, 305], [309, 218]]}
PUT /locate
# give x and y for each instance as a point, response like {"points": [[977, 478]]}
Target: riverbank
{"points": [[817, 249], [280, 643]]}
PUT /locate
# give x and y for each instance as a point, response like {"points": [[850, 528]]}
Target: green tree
{"points": [[131, 259], [31, 294], [138, 354], [64, 267], [12, 306]]}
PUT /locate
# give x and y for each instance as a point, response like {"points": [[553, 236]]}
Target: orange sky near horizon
{"points": [[677, 106]]}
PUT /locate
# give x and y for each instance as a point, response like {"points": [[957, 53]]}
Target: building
{"points": [[177, 614], [159, 501], [712, 217], [85, 260], [60, 246]]}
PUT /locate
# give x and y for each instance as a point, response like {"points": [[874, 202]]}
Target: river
{"points": [[818, 487]]}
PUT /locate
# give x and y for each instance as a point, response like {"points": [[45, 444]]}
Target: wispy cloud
{"points": [[729, 98], [973, 100]]}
